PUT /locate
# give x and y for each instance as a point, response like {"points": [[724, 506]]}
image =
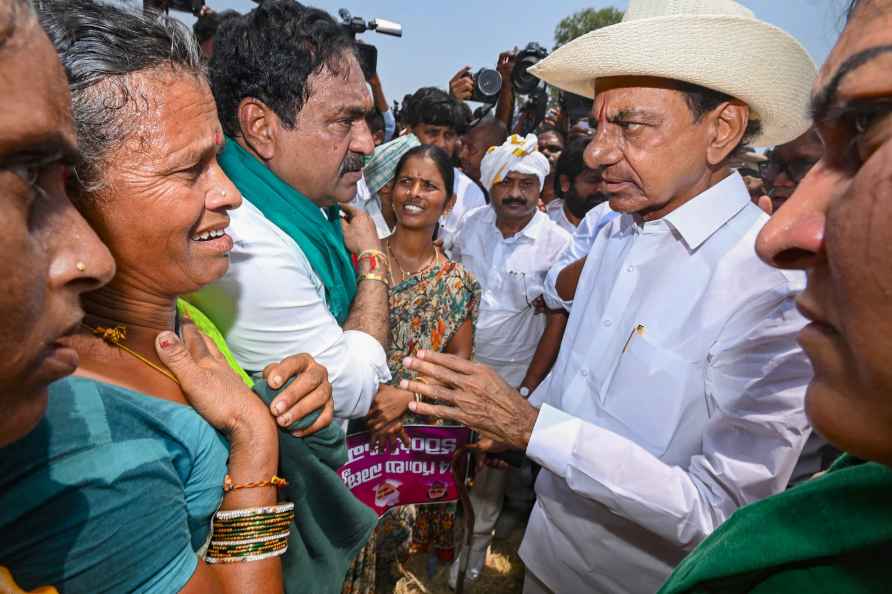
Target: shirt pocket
{"points": [[651, 392], [517, 290]]}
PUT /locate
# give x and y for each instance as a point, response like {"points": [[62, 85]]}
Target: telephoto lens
{"points": [[487, 85], [524, 82]]}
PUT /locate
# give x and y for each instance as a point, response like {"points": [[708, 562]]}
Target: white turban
{"points": [[517, 154]]}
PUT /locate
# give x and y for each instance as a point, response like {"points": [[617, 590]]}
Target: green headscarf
{"points": [[319, 237]]}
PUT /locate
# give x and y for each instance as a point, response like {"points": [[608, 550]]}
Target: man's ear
{"points": [[565, 183], [259, 125], [728, 126]]}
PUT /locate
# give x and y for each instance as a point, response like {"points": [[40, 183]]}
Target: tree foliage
{"points": [[584, 21]]}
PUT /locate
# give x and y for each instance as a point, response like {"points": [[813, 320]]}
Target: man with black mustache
{"points": [[510, 245], [293, 101]]}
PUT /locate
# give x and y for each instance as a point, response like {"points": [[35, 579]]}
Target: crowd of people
{"points": [[225, 251]]}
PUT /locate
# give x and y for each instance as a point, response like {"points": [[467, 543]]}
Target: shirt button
{"points": [[630, 269], [608, 323], [584, 373]]}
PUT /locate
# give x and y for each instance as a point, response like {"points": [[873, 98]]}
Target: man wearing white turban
{"points": [[678, 392], [510, 245]]}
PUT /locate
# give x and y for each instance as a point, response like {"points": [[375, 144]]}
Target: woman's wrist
{"points": [[254, 429]]}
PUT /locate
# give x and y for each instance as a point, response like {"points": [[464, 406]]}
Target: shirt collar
{"points": [[530, 231], [705, 214]]}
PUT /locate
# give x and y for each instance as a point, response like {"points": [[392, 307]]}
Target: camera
{"points": [[487, 86], [524, 82], [368, 53]]}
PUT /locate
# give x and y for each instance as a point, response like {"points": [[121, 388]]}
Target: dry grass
{"points": [[503, 573]]}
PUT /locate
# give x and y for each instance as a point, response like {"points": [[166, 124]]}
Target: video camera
{"points": [[368, 53]]}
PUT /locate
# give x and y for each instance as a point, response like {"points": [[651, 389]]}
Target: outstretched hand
{"points": [[475, 395]]}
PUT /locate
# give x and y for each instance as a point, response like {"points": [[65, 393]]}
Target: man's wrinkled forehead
{"points": [[342, 80], [640, 95]]}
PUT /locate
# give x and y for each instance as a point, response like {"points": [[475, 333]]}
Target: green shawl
{"points": [[319, 236], [330, 525], [830, 535]]}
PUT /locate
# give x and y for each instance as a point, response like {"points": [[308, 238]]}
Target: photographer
{"points": [[462, 84]]}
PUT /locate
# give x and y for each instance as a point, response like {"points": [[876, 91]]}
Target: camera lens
{"points": [[487, 84], [524, 82], [489, 81]]}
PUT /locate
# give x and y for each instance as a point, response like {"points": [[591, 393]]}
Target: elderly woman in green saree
{"points": [[156, 469]]}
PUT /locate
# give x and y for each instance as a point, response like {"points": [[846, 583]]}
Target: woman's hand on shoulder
{"points": [[212, 387], [310, 391]]}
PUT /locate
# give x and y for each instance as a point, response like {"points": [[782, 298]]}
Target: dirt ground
{"points": [[503, 573]]}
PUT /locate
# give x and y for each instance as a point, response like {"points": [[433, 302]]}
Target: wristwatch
{"points": [[524, 391]]}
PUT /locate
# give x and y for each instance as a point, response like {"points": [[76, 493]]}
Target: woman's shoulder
{"points": [[142, 415], [102, 458], [85, 414]]}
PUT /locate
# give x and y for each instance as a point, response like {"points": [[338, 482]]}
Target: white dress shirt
{"points": [[511, 272], [371, 203], [468, 196], [582, 242], [271, 304], [650, 439], [555, 212]]}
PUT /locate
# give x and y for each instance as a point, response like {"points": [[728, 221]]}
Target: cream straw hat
{"points": [[711, 43]]}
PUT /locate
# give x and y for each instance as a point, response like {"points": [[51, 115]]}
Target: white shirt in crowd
{"points": [[468, 196], [271, 304], [371, 203], [555, 212], [677, 396], [583, 238], [511, 272]]}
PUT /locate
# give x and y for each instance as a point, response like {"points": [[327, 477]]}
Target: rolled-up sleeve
{"points": [[755, 382]]}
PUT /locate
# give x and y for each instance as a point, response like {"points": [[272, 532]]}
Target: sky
{"points": [[439, 37]]}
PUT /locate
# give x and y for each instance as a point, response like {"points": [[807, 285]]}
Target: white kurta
{"points": [[271, 304], [677, 396], [511, 272]]}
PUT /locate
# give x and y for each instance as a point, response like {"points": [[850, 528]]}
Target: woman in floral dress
{"points": [[433, 306]]}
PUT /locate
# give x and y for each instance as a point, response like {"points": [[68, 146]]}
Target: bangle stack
{"points": [[250, 534]]}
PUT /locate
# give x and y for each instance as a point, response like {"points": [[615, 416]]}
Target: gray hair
{"points": [[101, 47]]}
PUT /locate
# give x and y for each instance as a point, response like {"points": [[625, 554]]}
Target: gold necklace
{"points": [[116, 337], [404, 274]]}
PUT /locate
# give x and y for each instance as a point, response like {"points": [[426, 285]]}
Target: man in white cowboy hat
{"points": [[677, 395]]}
